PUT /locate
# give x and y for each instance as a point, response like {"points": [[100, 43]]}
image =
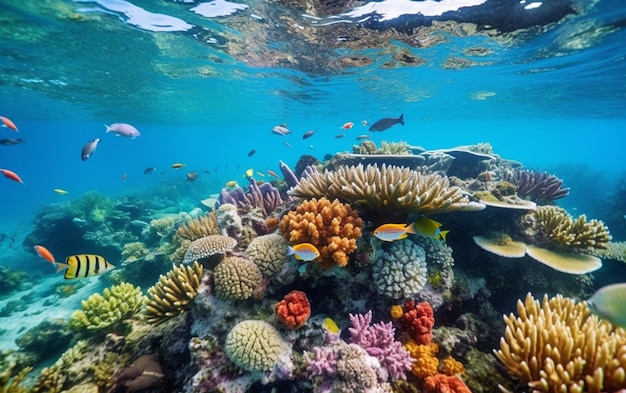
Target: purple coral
{"points": [[378, 341], [290, 178], [323, 362], [264, 197], [540, 187]]}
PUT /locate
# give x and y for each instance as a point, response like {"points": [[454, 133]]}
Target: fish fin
{"points": [[61, 266], [410, 228], [443, 234], [108, 128], [403, 236], [298, 257], [401, 119]]}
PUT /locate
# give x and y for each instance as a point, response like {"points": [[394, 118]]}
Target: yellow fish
{"points": [[609, 303], [303, 251], [430, 228], [231, 184], [331, 326], [177, 165], [84, 265], [248, 173], [391, 232], [60, 191]]}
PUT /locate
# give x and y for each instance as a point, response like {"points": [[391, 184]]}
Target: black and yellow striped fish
{"points": [[84, 265]]}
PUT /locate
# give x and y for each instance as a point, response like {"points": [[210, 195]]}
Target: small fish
{"points": [[361, 137], [272, 173], [149, 170], [11, 141], [123, 178], [89, 149], [609, 303], [391, 232], [84, 265], [308, 134], [178, 165], [251, 152], [347, 125], [231, 184], [364, 123], [430, 228], [388, 122], [286, 144], [339, 136], [45, 254], [281, 130], [303, 251], [331, 326], [61, 191], [311, 147], [123, 129], [248, 173], [192, 176], [11, 175], [260, 174], [6, 122]]}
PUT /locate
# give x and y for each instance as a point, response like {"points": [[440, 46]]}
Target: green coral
{"points": [[102, 311], [93, 207], [10, 383], [134, 251]]}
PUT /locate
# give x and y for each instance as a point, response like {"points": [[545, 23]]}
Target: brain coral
{"points": [[254, 345], [268, 252], [400, 269], [237, 278], [332, 227], [208, 246]]}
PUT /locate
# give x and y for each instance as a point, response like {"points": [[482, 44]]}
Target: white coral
{"points": [[400, 271]]}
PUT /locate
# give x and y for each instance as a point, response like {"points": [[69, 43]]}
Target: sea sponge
{"points": [[399, 270], [332, 227], [386, 188], [208, 246], [557, 345], [294, 310], [171, 295], [254, 345], [101, 311], [451, 366], [237, 278], [269, 252], [396, 311]]}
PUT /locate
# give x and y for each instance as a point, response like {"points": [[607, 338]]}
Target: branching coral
{"points": [[264, 197], [539, 187], [134, 251], [557, 345], [173, 292], [332, 227], [198, 227], [12, 384], [101, 311], [386, 188]]}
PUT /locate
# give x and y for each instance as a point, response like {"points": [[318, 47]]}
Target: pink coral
{"points": [[418, 320], [323, 362], [294, 310]]}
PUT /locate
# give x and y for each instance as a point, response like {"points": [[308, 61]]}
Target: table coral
{"points": [[399, 270], [387, 187], [208, 246], [332, 227], [101, 311], [557, 345], [294, 310], [269, 252], [171, 295], [418, 320], [237, 278], [254, 345]]}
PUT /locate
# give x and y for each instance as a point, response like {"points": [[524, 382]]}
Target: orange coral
{"points": [[441, 383], [294, 310], [426, 362], [396, 311], [451, 366], [332, 227]]}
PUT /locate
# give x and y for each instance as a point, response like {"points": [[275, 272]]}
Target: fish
{"points": [[192, 176], [89, 149], [6, 122], [331, 326], [123, 178], [286, 144], [231, 183], [248, 173], [364, 123], [123, 129], [11, 175], [149, 170], [609, 303], [45, 254], [391, 232], [303, 252], [260, 173], [311, 147], [84, 265], [11, 141], [361, 137], [347, 125], [281, 130], [308, 134], [61, 191], [430, 228], [178, 165], [387, 122], [339, 136], [272, 173], [251, 152]]}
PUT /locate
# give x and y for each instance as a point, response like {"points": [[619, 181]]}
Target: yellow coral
{"points": [[134, 251], [426, 362], [332, 227], [396, 311], [198, 227], [559, 346], [451, 366], [12, 384]]}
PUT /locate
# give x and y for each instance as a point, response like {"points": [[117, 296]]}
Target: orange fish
{"points": [[45, 254], [347, 126], [6, 122], [303, 251], [391, 232], [11, 175]]}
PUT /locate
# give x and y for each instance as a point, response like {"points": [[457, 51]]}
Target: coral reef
{"points": [[442, 383], [269, 252], [198, 227], [399, 270], [144, 373], [294, 310], [237, 278], [264, 197], [208, 246], [332, 227], [425, 355], [133, 252], [10, 279], [556, 345], [539, 187], [254, 345], [171, 295], [47, 338], [10, 383], [305, 160], [229, 221], [386, 188], [418, 321]]}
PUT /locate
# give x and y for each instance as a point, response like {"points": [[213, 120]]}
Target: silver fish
{"points": [[89, 149], [280, 130], [388, 122], [308, 134], [361, 137]]}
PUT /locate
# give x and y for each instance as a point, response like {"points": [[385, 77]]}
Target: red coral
{"points": [[418, 320], [294, 310], [441, 383]]}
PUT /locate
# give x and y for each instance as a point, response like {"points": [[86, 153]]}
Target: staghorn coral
{"points": [[560, 229], [269, 252], [387, 188], [254, 345], [539, 187], [198, 227], [332, 227], [237, 278], [101, 311], [171, 295], [399, 270], [208, 246], [557, 345], [294, 310]]}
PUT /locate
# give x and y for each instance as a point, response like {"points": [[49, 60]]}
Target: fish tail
{"points": [[109, 128], [61, 266], [401, 119], [443, 234], [290, 250], [410, 228]]}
